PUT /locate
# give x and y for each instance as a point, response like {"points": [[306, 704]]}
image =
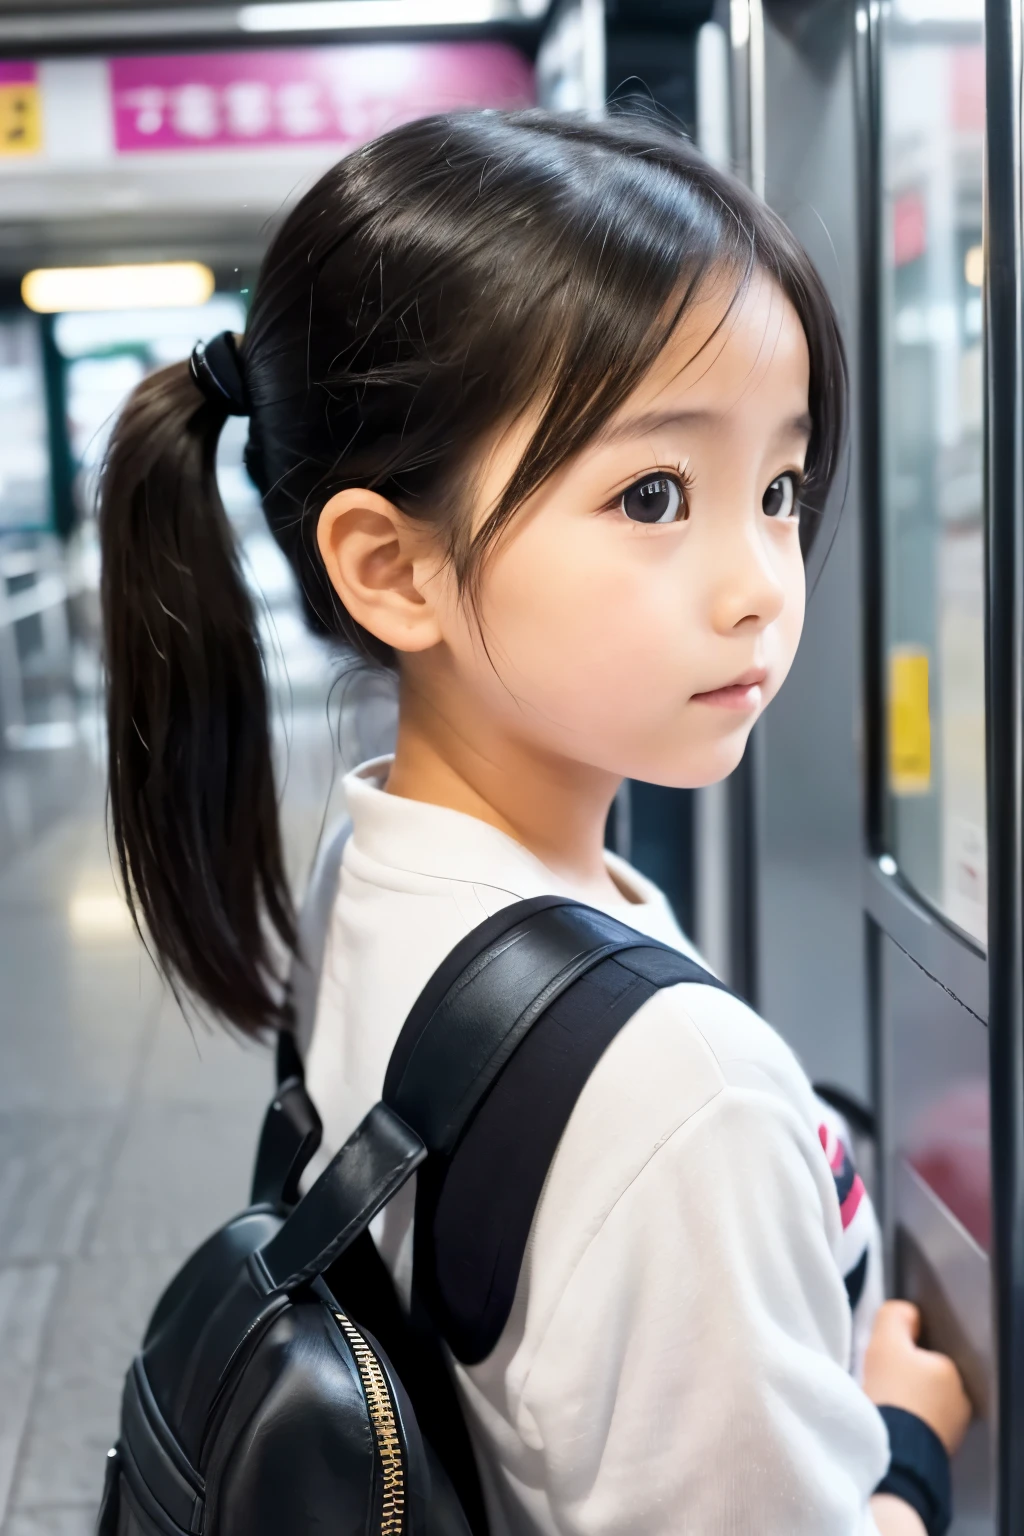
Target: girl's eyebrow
{"points": [[657, 421]]}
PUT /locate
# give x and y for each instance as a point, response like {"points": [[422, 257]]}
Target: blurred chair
{"points": [[36, 705]]}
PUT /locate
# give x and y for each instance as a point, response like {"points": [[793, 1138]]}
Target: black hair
{"points": [[429, 288]]}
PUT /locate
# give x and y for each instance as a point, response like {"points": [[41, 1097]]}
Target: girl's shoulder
{"points": [[690, 1046]]}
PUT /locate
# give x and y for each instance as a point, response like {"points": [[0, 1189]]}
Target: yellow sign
{"points": [[910, 723], [20, 118]]}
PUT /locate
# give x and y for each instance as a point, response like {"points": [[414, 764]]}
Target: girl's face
{"points": [[646, 603]]}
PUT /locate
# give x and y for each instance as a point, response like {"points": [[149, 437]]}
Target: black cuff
{"points": [[918, 1469]]}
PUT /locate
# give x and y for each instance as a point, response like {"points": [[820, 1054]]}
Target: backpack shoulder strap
{"points": [[485, 998], [487, 1070], [514, 1020]]}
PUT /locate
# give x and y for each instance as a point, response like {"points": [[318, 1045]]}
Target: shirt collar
{"points": [[415, 837]]}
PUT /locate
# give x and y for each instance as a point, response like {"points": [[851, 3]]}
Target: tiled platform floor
{"points": [[124, 1137]]}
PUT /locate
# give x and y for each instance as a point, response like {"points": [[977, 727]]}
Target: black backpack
{"points": [[281, 1388]]}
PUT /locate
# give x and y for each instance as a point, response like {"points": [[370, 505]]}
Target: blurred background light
{"points": [[940, 12], [316, 15], [99, 915], [974, 266], [165, 334], [150, 285]]}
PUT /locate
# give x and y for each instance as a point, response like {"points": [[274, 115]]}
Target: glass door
{"points": [[944, 583], [933, 115], [925, 590]]}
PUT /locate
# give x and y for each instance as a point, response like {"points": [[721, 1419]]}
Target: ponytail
{"points": [[192, 794]]}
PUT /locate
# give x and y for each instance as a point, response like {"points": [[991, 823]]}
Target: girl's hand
{"points": [[899, 1374]]}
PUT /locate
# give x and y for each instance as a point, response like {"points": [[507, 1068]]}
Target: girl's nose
{"points": [[748, 590]]}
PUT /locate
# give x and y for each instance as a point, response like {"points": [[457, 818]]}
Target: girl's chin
{"points": [[688, 771]]}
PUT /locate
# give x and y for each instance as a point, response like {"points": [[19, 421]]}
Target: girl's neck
{"points": [[554, 807]]}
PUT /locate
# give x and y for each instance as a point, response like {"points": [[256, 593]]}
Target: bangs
{"points": [[638, 244]]}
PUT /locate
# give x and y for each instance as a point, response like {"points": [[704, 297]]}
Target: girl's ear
{"points": [[382, 565]]}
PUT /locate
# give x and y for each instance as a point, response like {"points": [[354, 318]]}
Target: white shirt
{"points": [[678, 1358]]}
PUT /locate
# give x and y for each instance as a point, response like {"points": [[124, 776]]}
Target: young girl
{"points": [[544, 415]]}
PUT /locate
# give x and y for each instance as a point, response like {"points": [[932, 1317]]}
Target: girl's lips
{"points": [[738, 696], [744, 694]]}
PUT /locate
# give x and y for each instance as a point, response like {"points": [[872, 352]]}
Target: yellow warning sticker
{"points": [[20, 118], [910, 722]]}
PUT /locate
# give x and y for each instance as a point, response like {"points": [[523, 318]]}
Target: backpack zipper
{"points": [[385, 1428]]}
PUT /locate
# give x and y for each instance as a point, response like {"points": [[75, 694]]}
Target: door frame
{"points": [[1004, 668]]}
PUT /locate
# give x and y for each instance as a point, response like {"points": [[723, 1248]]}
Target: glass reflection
{"points": [[933, 125]]}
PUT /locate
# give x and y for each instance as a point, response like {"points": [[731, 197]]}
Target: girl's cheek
{"points": [[587, 640], [792, 618]]}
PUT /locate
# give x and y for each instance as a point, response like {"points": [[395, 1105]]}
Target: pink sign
{"points": [[14, 72], [339, 95]]}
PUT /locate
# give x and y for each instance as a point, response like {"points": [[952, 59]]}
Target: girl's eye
{"points": [[655, 499], [779, 500]]}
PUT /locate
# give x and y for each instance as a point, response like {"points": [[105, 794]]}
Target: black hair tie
{"points": [[217, 371]]}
